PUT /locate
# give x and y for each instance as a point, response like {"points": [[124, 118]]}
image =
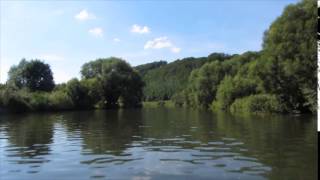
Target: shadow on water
{"points": [[287, 143], [29, 137], [104, 131]]}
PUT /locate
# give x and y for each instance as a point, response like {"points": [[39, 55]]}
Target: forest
{"points": [[280, 78]]}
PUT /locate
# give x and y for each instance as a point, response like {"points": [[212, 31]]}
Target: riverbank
{"points": [[156, 104]]}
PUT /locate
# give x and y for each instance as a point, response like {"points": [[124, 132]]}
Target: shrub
{"points": [[14, 101], [79, 94], [59, 100], [179, 99], [233, 88], [38, 101], [257, 103]]}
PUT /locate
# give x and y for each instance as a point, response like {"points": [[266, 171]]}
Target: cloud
{"points": [[97, 31], [139, 29], [84, 15], [116, 40], [161, 42]]}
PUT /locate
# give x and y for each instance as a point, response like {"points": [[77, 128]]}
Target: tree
{"points": [[79, 94], [219, 57], [166, 80], [119, 83], [290, 57], [92, 69], [234, 88], [144, 68], [34, 75]]}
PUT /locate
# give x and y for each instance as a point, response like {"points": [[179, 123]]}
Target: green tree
{"points": [[231, 89], [92, 69], [79, 95], [34, 75], [256, 103], [119, 83], [144, 68], [290, 57], [204, 82], [166, 80]]}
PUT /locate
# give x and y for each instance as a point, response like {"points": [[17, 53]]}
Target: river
{"points": [[157, 143]]}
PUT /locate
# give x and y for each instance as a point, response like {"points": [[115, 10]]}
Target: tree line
{"points": [[282, 77], [104, 83]]}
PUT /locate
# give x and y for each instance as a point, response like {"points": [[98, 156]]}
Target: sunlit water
{"points": [[157, 144]]}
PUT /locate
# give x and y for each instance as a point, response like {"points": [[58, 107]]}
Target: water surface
{"points": [[157, 143]]}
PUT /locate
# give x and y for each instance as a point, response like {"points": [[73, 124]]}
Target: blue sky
{"points": [[68, 34]]}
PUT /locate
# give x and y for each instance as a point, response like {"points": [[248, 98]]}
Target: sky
{"points": [[67, 34]]}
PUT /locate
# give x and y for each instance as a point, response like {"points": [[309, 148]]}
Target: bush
{"points": [[179, 99], [21, 100], [79, 94], [59, 100], [161, 103], [14, 101], [38, 101], [257, 103], [233, 88]]}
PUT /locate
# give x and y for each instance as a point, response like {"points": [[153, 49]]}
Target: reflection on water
{"points": [[157, 144]]}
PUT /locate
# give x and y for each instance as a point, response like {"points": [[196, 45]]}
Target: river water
{"points": [[157, 143]]}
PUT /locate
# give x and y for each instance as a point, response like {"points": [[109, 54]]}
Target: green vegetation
{"points": [[117, 83], [34, 75], [204, 82], [163, 81], [256, 103], [282, 77], [144, 68], [155, 104], [106, 83], [285, 69]]}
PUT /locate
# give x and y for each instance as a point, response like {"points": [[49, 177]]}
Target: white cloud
{"points": [[161, 42], [97, 31], [140, 29], [84, 15], [116, 40], [158, 43]]}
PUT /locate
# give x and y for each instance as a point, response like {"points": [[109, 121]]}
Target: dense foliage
{"points": [[33, 75], [204, 82], [119, 84], [285, 70], [144, 68], [290, 55], [163, 82], [256, 103], [111, 83]]}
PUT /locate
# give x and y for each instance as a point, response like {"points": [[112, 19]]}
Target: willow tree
{"points": [[290, 57], [119, 83]]}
